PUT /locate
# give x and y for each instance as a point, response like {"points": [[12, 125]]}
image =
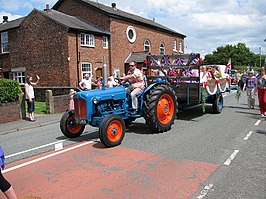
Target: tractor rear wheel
{"points": [[160, 108], [68, 125], [112, 130]]}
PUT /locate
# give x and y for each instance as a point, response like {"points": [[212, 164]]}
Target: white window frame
{"points": [[19, 76], [4, 42], [147, 45], [131, 29], [105, 42], [162, 48], [86, 69], [174, 45], [87, 40], [180, 46]]}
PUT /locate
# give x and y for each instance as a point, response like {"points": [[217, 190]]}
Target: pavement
{"points": [[41, 120]]}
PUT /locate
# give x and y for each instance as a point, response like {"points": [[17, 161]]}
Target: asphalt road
{"points": [[230, 147]]}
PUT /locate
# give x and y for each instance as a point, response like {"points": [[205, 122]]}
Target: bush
{"points": [[9, 90]]}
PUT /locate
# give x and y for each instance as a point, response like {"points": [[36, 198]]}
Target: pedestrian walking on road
{"points": [[262, 92], [5, 186], [30, 98], [251, 87]]}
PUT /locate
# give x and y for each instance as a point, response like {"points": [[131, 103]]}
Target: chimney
{"points": [[5, 19], [113, 5], [153, 19], [46, 7]]}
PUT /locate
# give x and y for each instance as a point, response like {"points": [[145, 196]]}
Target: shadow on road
{"points": [[261, 132]]}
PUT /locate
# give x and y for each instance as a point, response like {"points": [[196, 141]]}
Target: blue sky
{"points": [[207, 24]]}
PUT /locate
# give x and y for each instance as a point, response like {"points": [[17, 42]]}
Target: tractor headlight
{"points": [[95, 100]]}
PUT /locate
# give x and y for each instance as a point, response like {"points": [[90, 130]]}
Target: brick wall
{"points": [[60, 103], [86, 12], [9, 112], [5, 59], [120, 47], [41, 47]]}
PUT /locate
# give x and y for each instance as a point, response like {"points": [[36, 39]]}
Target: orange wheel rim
{"points": [[114, 131], [165, 109], [72, 126]]}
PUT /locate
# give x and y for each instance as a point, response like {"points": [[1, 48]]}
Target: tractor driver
{"points": [[135, 78]]}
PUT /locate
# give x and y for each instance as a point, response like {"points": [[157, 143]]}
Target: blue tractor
{"points": [[110, 110]]}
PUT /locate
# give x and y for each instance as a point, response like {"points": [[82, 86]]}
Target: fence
{"points": [[14, 111]]}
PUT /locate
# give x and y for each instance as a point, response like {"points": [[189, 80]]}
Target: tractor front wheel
{"points": [[112, 130], [68, 125]]}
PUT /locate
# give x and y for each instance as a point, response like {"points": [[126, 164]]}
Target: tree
{"points": [[240, 55]]}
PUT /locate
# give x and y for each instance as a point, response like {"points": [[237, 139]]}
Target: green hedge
{"points": [[9, 90]]}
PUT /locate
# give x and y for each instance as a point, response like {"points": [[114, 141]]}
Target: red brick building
{"points": [[73, 38]]}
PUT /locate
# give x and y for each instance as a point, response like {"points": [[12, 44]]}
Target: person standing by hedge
{"points": [[30, 96]]}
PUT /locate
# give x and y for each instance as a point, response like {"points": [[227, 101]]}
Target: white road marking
{"points": [[58, 146], [257, 123], [39, 147], [205, 190], [248, 135], [45, 157], [232, 156]]}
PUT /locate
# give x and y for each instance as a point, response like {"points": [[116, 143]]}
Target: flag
{"points": [[228, 66]]}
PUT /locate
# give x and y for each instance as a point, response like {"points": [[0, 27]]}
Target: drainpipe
{"points": [[77, 53]]}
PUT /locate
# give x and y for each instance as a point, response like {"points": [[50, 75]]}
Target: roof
{"points": [[116, 13], [72, 22], [11, 24], [137, 57]]}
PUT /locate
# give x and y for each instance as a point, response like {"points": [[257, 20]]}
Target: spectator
{"points": [[71, 100], [99, 82], [250, 85], [261, 85], [135, 78], [30, 96], [85, 83], [5, 186]]}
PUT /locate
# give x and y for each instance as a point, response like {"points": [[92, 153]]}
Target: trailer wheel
{"points": [[112, 130], [68, 125], [218, 104], [160, 108]]}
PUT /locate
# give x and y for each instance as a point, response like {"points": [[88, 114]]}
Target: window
{"points": [[174, 45], [87, 40], [105, 42], [117, 72], [180, 46], [86, 68], [162, 48], [131, 34], [4, 42], [19, 76], [147, 45]]}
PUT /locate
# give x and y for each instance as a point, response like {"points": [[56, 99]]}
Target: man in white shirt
{"points": [[85, 84]]}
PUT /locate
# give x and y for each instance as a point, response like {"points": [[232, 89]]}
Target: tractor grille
{"points": [[80, 108]]}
